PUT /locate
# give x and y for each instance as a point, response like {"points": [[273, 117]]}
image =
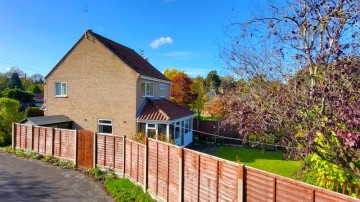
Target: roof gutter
{"points": [[154, 79]]}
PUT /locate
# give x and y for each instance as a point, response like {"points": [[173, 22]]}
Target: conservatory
{"points": [[163, 119]]}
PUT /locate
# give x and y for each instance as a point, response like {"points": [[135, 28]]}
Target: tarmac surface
{"points": [[33, 180]]}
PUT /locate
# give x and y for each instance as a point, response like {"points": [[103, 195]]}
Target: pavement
{"points": [[33, 180]]}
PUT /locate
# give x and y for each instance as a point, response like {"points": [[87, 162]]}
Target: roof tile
{"points": [[162, 110]]}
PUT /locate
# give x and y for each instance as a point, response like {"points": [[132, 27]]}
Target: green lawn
{"points": [[124, 190], [264, 160]]}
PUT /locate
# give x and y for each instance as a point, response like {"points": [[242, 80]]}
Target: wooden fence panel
{"points": [[134, 161], [36, 140], [110, 151], [191, 175], [259, 187], [287, 191], [141, 161], [228, 181], [28, 138], [42, 140], [128, 156], [153, 166], [23, 137], [64, 144], [173, 191], [119, 153], [208, 178], [100, 150], [18, 136], [163, 171]]}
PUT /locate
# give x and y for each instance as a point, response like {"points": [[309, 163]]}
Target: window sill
{"points": [[147, 96], [104, 133], [61, 96]]}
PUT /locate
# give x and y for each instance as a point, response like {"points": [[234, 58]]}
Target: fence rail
{"points": [[172, 173]]}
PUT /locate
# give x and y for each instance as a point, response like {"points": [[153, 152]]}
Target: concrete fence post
{"points": [[181, 174], [146, 164], [75, 147], [13, 143], [241, 188]]}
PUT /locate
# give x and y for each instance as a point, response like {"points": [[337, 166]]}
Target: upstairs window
{"points": [[60, 89], [147, 89], [162, 90], [105, 126]]}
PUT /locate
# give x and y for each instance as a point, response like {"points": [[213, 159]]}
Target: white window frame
{"points": [[61, 89], [186, 126], [162, 90], [105, 124], [147, 94]]}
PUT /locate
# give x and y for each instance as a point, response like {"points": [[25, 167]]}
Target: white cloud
{"points": [[161, 41]]}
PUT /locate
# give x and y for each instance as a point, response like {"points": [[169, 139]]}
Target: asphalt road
{"points": [[32, 180]]}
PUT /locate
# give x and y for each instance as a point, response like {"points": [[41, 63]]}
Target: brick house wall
{"points": [[99, 86]]}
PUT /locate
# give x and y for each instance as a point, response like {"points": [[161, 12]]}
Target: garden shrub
{"points": [[33, 112]]}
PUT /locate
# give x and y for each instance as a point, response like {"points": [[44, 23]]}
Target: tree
{"points": [[227, 82], [37, 78], [14, 70], [212, 81], [18, 94], [14, 81], [35, 88], [8, 114], [217, 108], [199, 91], [26, 81], [170, 74], [181, 91], [317, 111], [4, 80]]}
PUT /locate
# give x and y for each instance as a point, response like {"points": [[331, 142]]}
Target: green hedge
{"points": [[33, 111]]}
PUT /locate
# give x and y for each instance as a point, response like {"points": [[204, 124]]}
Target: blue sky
{"points": [[183, 34]]}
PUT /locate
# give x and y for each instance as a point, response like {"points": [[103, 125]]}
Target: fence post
{"points": [[94, 149], [146, 164], [32, 138], [241, 188], [52, 141], [123, 160], [13, 143], [75, 148], [181, 174]]}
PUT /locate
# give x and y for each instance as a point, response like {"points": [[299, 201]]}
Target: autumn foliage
{"points": [[181, 91]]}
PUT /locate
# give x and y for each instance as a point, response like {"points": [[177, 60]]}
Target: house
{"points": [[39, 99], [106, 87]]}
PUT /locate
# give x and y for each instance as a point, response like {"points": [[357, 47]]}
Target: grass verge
{"points": [[33, 155], [264, 160], [121, 189]]}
